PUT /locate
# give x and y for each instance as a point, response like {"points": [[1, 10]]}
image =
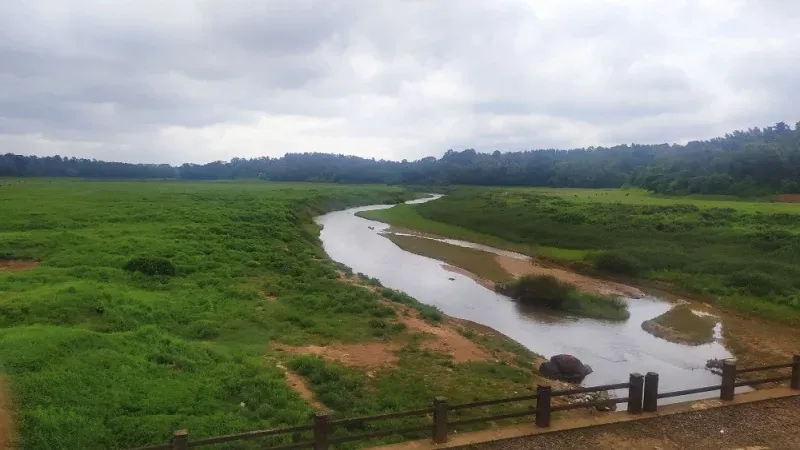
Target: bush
{"points": [[203, 329], [151, 265], [548, 292], [755, 282], [617, 262], [545, 290]]}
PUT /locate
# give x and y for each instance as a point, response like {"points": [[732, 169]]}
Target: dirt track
{"points": [[770, 424], [6, 425]]}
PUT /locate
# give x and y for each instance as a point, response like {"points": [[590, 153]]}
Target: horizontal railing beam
{"points": [[589, 390], [764, 368]]}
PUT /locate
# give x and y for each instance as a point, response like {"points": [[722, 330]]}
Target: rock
{"points": [[566, 368], [549, 369], [452, 279]]}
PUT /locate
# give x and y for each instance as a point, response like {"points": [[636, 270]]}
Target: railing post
{"points": [[795, 382], [321, 426], [543, 406], [728, 380], [650, 402], [180, 440], [439, 420], [635, 391]]}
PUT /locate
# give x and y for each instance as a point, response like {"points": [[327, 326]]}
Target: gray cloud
{"points": [[199, 80]]}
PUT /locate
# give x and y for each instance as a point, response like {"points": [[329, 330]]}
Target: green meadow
{"points": [[156, 306]]}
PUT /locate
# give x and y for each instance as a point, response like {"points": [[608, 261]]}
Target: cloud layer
{"points": [[179, 80]]}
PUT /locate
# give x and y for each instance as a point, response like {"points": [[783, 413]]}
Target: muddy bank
{"points": [[488, 284], [682, 325]]}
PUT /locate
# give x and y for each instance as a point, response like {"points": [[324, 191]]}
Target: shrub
{"points": [[544, 290], [755, 282], [617, 262], [203, 329], [151, 265]]}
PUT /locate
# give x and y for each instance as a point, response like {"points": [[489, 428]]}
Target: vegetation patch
{"points": [[615, 262], [546, 291], [681, 325], [151, 265]]}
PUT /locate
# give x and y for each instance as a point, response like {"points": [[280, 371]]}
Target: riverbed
{"points": [[612, 349]]}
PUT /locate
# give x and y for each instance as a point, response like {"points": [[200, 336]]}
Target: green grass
{"points": [[636, 196], [97, 356], [681, 325], [739, 254]]}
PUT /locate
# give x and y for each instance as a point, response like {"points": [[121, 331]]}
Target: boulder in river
{"points": [[565, 368]]}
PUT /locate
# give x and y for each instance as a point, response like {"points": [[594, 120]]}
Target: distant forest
{"points": [[753, 162]]}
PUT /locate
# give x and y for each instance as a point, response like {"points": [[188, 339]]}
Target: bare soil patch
{"points": [[789, 198], [758, 342], [299, 385], [17, 265], [369, 355], [445, 339], [6, 424], [268, 297], [587, 284]]}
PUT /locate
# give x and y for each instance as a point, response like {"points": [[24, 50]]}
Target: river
{"points": [[613, 349]]}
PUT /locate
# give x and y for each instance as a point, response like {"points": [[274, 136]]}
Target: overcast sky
{"points": [[201, 80]]}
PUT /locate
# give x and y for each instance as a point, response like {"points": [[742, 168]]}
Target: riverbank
{"points": [[752, 341], [500, 272], [742, 255]]}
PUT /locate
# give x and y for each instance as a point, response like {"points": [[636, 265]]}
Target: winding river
{"points": [[613, 349]]}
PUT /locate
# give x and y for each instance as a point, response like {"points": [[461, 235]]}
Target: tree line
{"points": [[752, 162]]}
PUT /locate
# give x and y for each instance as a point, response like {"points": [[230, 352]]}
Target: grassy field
{"points": [[635, 196], [743, 255], [96, 356]]}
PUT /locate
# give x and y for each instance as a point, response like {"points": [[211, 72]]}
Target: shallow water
{"points": [[613, 349]]}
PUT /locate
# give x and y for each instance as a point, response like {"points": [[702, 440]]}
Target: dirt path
{"points": [[770, 424], [6, 424], [299, 385], [518, 268], [369, 355]]}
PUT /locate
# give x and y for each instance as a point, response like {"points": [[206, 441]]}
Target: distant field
{"points": [[636, 196], [97, 356]]}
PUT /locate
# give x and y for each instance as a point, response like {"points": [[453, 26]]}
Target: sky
{"points": [[173, 81]]}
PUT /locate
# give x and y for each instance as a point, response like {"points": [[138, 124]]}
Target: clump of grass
{"points": [[616, 262], [547, 291], [682, 326], [151, 265]]}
